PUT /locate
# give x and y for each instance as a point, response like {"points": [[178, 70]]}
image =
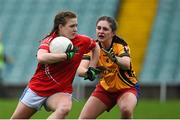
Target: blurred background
{"points": [[150, 27]]}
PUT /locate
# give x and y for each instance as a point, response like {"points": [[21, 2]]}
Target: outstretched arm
{"points": [[87, 67], [83, 67], [95, 56]]}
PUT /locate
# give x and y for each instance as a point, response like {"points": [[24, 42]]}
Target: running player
{"points": [[51, 85], [118, 83]]}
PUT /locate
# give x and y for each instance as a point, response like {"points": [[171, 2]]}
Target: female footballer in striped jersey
{"points": [[118, 83]]}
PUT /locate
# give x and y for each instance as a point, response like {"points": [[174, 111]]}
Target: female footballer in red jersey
{"points": [[51, 85], [118, 84]]}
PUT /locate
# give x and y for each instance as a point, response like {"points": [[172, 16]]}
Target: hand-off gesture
{"points": [[91, 73]]}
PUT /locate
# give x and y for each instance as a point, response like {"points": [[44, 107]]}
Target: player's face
{"points": [[103, 31], [69, 30]]}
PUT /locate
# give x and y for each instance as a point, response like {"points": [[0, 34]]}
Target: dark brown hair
{"points": [[113, 24], [61, 18]]}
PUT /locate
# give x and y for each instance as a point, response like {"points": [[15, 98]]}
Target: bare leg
{"points": [[23, 112], [127, 103], [92, 109], [61, 104]]}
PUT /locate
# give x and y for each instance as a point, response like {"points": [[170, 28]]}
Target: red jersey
{"points": [[58, 77]]}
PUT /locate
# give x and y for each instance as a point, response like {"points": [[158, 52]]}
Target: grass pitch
{"points": [[146, 109]]}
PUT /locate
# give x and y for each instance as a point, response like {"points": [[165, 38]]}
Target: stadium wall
{"points": [[147, 92]]}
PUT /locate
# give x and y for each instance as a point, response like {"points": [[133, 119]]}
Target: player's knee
{"points": [[63, 110], [126, 113]]}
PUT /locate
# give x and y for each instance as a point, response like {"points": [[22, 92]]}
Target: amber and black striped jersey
{"points": [[114, 78]]}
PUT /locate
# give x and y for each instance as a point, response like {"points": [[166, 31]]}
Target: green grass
{"points": [[146, 109]]}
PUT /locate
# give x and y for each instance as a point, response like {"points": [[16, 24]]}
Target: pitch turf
{"points": [[146, 109]]}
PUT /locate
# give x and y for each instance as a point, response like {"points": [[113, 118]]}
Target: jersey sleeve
{"points": [[87, 56], [92, 44], [45, 43], [121, 47], [87, 43], [124, 51]]}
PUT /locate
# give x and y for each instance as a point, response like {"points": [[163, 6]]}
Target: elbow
{"points": [[126, 63], [40, 59], [126, 66]]}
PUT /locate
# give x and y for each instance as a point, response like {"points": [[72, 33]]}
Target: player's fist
{"points": [[91, 73], [70, 52], [110, 54]]}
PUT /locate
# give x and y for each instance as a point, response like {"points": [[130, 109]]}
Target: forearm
{"points": [[82, 71], [44, 57], [83, 67], [95, 56], [50, 58], [124, 62]]}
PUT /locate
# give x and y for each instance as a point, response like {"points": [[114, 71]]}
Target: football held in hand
{"points": [[59, 44]]}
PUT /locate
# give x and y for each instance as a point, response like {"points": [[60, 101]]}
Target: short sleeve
{"points": [[87, 56], [45, 43], [92, 44], [125, 51]]}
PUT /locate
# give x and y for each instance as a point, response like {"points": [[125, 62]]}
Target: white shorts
{"points": [[31, 99]]}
